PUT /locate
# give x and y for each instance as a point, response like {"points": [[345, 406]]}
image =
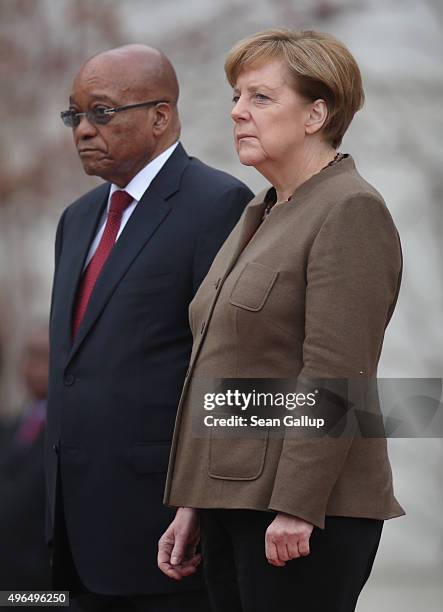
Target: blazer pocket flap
{"points": [[253, 286], [150, 458], [237, 459]]}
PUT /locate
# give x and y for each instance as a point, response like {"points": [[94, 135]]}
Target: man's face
{"points": [[118, 150]]}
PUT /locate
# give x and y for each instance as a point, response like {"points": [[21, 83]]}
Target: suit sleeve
{"points": [[227, 210], [353, 277], [57, 253]]}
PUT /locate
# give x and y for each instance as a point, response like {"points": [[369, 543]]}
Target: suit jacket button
{"points": [[69, 380], [55, 448]]}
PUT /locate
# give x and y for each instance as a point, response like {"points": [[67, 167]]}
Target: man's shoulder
{"points": [[89, 200], [210, 179], [211, 193]]}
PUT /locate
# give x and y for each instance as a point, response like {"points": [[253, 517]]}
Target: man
{"points": [[129, 258], [24, 559]]}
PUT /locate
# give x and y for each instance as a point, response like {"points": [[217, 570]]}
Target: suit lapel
{"points": [[76, 251], [142, 224], [150, 212]]}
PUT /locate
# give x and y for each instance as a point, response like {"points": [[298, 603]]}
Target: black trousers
{"points": [[330, 579]]}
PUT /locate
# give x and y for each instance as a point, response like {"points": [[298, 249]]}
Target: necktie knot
{"points": [[120, 200]]}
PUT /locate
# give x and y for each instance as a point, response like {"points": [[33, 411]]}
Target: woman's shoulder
{"points": [[350, 186], [342, 197], [353, 203]]}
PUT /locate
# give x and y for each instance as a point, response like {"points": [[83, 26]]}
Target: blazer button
{"points": [[55, 448], [69, 380]]}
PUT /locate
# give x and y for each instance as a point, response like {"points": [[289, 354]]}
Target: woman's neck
{"points": [[287, 177]]}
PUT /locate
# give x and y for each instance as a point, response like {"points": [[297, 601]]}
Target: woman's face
{"points": [[269, 115]]}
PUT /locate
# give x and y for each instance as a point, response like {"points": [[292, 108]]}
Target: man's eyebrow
{"points": [[98, 97]]}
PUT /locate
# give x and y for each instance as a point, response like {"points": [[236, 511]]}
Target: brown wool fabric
{"points": [[310, 295]]}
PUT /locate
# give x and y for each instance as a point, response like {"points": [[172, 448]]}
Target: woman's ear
{"points": [[318, 113]]}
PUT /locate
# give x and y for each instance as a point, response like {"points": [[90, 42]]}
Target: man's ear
{"points": [[318, 113], [162, 117]]}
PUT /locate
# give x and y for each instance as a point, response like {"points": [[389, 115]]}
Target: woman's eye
{"points": [[261, 97], [235, 99]]}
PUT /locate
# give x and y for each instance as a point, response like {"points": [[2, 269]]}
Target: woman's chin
{"points": [[248, 158]]}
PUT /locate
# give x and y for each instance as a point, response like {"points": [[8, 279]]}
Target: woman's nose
{"points": [[239, 111]]}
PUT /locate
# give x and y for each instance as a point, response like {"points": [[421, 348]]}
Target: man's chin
{"points": [[94, 169], [89, 170]]}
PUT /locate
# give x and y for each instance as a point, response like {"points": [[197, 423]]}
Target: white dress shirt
{"points": [[136, 188]]}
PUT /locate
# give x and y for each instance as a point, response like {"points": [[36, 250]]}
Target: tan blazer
{"points": [[309, 295]]}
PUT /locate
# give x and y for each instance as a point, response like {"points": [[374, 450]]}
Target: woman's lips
{"points": [[244, 137]]}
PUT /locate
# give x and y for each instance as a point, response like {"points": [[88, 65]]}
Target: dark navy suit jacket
{"points": [[114, 391], [24, 558]]}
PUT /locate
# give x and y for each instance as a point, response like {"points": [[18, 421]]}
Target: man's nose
{"points": [[85, 129]]}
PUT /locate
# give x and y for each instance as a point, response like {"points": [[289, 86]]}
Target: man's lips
{"points": [[89, 151]]}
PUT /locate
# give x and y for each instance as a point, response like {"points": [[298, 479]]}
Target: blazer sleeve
{"points": [[353, 278]]}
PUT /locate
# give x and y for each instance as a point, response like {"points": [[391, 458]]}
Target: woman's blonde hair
{"points": [[320, 66]]}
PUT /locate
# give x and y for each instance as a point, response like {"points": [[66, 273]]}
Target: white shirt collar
{"points": [[141, 181]]}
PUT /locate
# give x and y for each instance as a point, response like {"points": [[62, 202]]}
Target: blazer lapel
{"points": [[251, 221], [249, 224], [148, 215]]}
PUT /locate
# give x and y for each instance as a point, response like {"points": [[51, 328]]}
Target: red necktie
{"points": [[120, 200]]}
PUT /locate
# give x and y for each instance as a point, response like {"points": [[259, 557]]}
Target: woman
{"points": [[304, 287]]}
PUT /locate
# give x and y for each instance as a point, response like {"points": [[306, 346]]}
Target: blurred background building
{"points": [[397, 142]]}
